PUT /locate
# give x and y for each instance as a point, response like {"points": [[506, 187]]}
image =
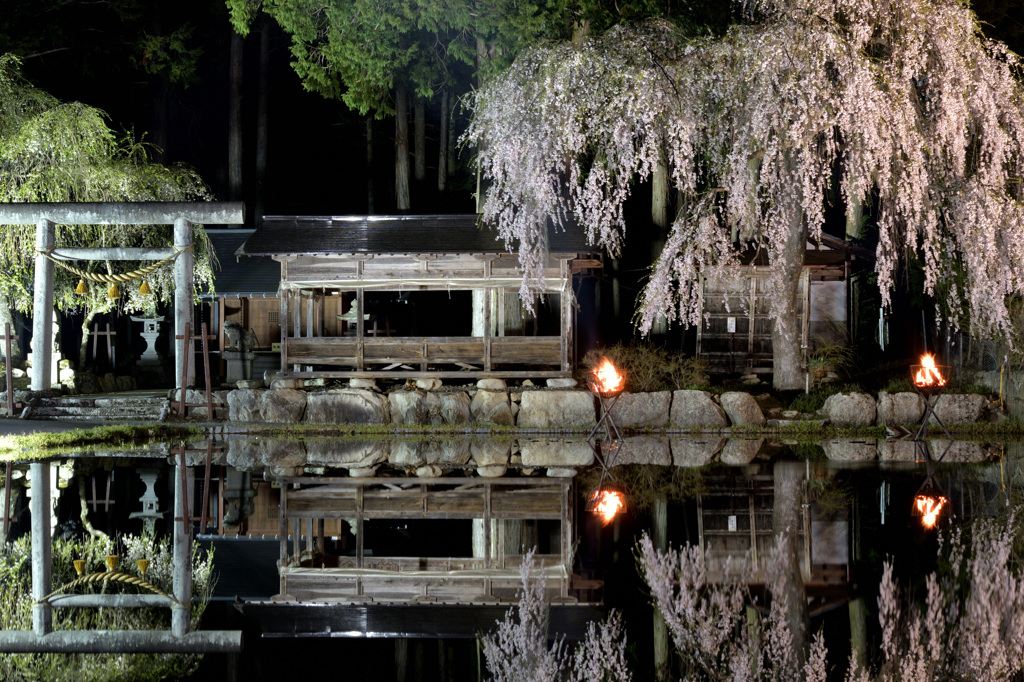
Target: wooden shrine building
{"points": [[408, 296]]}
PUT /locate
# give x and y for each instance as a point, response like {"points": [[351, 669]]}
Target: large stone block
{"points": [[347, 406], [454, 408], [557, 410], [452, 452], [957, 451], [695, 452], [407, 407], [903, 451], [244, 404], [850, 451], [282, 452], [742, 409], [850, 409], [905, 407], [244, 454], [492, 408], [282, 406], [556, 453], [958, 408], [740, 451], [490, 452], [642, 410], [333, 452], [644, 450], [696, 410], [408, 453]]}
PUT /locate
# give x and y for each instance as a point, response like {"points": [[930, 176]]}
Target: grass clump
{"points": [[47, 444], [649, 368]]}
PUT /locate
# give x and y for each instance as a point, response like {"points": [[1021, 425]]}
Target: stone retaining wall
{"points": [[491, 404]]}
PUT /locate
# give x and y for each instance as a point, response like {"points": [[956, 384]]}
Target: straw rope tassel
{"points": [[110, 279], [107, 576]]}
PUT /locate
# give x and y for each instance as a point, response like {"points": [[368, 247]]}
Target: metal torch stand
{"points": [[606, 449], [920, 438]]}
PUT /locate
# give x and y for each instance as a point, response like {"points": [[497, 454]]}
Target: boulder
{"points": [[429, 384], [362, 472], [282, 452], [556, 472], [557, 410], [282, 406], [243, 454], [489, 452], [244, 404], [491, 408], [905, 407], [287, 383], [347, 406], [642, 410], [957, 451], [644, 450], [407, 408], [902, 450], [453, 452], [850, 451], [454, 408], [491, 384], [696, 410], [368, 384], [562, 383], [695, 452], [742, 409], [556, 453], [740, 451], [407, 453], [492, 471], [850, 409], [429, 471], [334, 452], [958, 408], [249, 383]]}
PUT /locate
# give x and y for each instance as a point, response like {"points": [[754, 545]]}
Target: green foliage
{"points": [[16, 609], [170, 56], [74, 440], [65, 152], [650, 368]]}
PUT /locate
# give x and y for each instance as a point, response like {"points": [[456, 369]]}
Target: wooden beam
{"points": [[124, 213]]}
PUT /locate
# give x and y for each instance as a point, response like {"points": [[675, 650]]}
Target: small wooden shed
{"points": [[410, 296]]}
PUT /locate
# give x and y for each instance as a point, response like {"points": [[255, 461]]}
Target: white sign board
{"points": [[730, 324], [732, 524]]}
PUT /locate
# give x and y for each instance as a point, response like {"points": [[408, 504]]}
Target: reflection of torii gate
{"points": [[45, 216]]}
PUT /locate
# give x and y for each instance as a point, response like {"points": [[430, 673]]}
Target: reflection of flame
{"points": [[611, 504], [608, 378], [929, 509], [928, 375]]}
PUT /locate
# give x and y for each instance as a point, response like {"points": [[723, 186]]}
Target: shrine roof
{"points": [[408, 234], [248, 278]]}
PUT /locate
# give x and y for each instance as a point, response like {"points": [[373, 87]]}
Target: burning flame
{"points": [[608, 378], [929, 508], [928, 375], [611, 504]]}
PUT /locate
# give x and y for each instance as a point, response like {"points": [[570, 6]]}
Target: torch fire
{"points": [[610, 504], [929, 374], [607, 379], [929, 508]]}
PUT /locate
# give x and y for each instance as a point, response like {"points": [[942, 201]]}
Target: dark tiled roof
{"points": [[247, 277], [433, 234]]}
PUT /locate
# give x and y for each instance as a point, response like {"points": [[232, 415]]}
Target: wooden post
{"points": [[659, 534], [42, 317], [181, 613]]}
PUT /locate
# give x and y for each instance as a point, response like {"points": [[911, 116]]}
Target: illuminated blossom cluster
{"points": [[901, 103]]}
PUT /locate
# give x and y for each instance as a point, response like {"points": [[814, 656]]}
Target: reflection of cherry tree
{"points": [[903, 101], [969, 627], [518, 651]]}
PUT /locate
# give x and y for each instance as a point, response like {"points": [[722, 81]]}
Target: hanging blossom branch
{"points": [[905, 98], [518, 651]]}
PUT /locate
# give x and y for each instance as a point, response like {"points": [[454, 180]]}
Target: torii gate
{"points": [[181, 214]]}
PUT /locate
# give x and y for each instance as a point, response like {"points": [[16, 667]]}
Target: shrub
{"points": [[650, 368]]}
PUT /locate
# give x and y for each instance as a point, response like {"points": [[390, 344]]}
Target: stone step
{"points": [[66, 412]]}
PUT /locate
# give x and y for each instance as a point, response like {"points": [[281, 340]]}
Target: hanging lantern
{"points": [[144, 290], [81, 289], [114, 292]]}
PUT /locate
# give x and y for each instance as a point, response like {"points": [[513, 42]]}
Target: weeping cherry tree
{"points": [[52, 151], [900, 102]]}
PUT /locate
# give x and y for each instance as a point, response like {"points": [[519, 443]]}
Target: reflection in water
{"points": [[331, 535]]}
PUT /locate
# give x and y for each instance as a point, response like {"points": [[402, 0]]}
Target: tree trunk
{"points": [[442, 154], [451, 135], [369, 165], [787, 333], [261, 121], [420, 138], [235, 119], [659, 216], [659, 533], [402, 202], [159, 131], [787, 522], [83, 348]]}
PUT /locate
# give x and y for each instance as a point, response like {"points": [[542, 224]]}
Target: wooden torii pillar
{"points": [[45, 216]]}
